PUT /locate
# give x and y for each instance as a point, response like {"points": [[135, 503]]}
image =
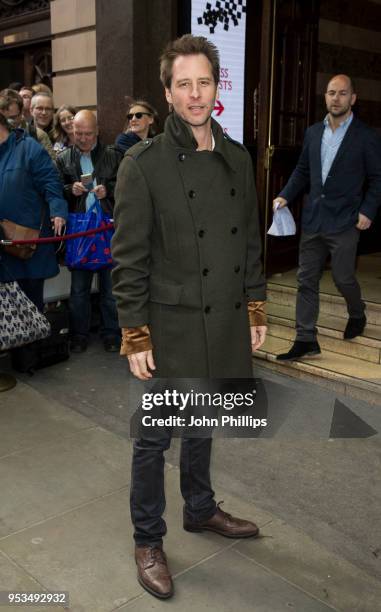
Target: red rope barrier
{"points": [[97, 230]]}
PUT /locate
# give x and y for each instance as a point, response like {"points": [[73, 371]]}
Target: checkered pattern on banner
{"points": [[224, 13]]}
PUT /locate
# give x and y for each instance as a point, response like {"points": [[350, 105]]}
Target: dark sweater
{"points": [[125, 141]]}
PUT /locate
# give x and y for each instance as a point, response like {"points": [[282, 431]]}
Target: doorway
{"points": [[285, 109], [27, 65]]}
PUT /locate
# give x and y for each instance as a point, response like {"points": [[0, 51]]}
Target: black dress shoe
{"points": [[78, 344], [111, 344], [300, 349], [354, 327]]}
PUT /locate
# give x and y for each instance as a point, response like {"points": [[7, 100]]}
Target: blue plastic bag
{"points": [[89, 252]]}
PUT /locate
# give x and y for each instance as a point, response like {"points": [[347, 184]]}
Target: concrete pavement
{"points": [[64, 516]]}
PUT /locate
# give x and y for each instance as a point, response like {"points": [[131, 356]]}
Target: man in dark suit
{"points": [[340, 164]]}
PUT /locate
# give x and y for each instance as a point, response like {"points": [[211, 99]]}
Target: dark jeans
{"points": [[34, 290], [314, 249], [80, 303], [147, 484]]}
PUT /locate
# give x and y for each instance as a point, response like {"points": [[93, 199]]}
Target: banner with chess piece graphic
{"points": [[224, 24]]}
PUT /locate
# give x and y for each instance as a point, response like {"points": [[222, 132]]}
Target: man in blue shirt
{"points": [[340, 164]]}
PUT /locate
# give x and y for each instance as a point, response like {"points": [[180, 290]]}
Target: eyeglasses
{"points": [[43, 109], [137, 115]]}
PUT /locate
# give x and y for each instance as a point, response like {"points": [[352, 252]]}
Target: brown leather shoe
{"points": [[225, 524], [153, 572]]}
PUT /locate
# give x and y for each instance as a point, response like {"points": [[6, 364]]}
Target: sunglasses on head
{"points": [[138, 115]]}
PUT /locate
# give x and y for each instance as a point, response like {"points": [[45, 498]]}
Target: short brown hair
{"points": [[28, 88], [3, 121], [8, 97], [188, 45]]}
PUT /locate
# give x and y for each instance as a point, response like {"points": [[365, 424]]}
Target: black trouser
{"points": [[147, 484], [314, 249]]}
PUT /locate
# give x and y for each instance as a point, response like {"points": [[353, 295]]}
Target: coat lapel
{"points": [[316, 149]]}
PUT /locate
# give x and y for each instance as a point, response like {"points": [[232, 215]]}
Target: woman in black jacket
{"points": [[141, 120]]}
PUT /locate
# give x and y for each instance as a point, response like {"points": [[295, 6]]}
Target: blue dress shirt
{"points": [[330, 144]]}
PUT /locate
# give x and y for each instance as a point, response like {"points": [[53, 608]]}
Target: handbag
{"points": [[20, 320], [89, 252], [14, 231]]}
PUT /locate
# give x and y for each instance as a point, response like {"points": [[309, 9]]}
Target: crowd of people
{"points": [[187, 277], [45, 153], [188, 286]]}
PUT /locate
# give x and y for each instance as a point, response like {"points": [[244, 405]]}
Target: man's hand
{"points": [[279, 202], [258, 336], [141, 363], [100, 191], [363, 223], [78, 189], [58, 224]]}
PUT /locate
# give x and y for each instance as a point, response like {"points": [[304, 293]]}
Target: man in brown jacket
{"points": [[188, 283]]}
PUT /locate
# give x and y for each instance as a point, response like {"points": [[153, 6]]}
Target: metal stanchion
{"points": [[7, 381]]}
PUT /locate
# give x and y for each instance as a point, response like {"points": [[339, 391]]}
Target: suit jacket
{"points": [[353, 183]]}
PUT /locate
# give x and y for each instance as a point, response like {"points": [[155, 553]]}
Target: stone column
{"points": [[74, 53], [130, 37]]}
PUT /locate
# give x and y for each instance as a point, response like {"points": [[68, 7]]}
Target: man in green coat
{"points": [[189, 285]]}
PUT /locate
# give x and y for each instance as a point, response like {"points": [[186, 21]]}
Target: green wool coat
{"points": [[187, 251]]}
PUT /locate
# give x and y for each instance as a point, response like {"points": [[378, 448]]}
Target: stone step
{"points": [[330, 304], [342, 373], [281, 321]]}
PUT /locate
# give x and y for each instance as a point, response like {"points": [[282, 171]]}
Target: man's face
{"points": [[193, 90], [12, 113], [42, 111], [339, 97], [85, 135], [26, 98]]}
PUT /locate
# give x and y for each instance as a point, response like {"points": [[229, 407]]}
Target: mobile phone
{"points": [[87, 180]]}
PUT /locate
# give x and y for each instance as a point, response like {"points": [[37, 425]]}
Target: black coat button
{"points": [[238, 305], [322, 196], [201, 233], [192, 194], [207, 309], [205, 272], [232, 192], [237, 269], [182, 157], [234, 230]]}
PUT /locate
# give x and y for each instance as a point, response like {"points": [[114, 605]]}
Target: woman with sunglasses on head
{"points": [[63, 130], [140, 123]]}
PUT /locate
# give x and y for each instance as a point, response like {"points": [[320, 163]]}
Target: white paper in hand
{"points": [[283, 222]]}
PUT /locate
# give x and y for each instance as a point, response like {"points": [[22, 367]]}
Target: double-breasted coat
{"points": [[187, 250]]}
